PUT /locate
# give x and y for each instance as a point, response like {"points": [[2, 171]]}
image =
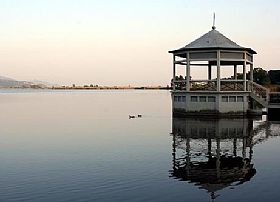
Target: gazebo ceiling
{"points": [[212, 40], [226, 63]]}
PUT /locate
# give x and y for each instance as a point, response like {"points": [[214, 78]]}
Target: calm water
{"points": [[81, 146]]}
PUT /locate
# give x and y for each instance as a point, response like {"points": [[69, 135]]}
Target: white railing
{"points": [[209, 85], [179, 84], [203, 85], [232, 85], [259, 93]]}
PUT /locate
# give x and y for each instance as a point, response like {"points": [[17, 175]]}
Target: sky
{"points": [[124, 42]]}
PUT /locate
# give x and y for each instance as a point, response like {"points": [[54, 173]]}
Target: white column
{"points": [[188, 72], [174, 71], [209, 72], [251, 76], [235, 76], [251, 73], [244, 72], [235, 71], [218, 72]]}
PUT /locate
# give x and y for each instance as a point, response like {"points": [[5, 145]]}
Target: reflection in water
{"points": [[214, 154]]}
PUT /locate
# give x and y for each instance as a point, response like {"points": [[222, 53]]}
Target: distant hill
{"points": [[46, 83], [6, 82]]}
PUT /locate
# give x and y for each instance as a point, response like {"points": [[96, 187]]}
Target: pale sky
{"points": [[124, 42]]}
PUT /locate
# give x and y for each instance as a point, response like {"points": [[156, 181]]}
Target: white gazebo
{"points": [[213, 96]]}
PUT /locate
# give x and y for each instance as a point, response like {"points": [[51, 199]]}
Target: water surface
{"points": [[81, 146]]}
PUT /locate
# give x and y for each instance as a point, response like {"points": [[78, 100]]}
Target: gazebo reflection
{"points": [[213, 154]]}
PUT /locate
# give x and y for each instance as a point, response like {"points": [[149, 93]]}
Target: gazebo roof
{"points": [[212, 40]]}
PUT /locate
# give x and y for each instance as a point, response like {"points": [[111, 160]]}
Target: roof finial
{"points": [[213, 27]]}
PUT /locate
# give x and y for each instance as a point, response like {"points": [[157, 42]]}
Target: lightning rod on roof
{"points": [[213, 27]]}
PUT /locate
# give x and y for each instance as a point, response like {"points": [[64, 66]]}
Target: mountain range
{"points": [[6, 82]]}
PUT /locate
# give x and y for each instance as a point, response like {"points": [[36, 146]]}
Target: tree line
{"points": [[263, 77]]}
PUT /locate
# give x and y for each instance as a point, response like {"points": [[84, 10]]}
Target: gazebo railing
{"points": [[196, 85], [180, 84], [232, 85], [225, 85], [209, 85], [203, 85]]}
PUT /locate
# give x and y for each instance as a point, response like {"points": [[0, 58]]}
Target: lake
{"points": [[82, 146]]}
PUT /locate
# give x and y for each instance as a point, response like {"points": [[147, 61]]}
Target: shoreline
{"points": [[90, 88], [110, 88]]}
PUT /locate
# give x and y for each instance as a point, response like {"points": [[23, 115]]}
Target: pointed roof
{"points": [[213, 40]]}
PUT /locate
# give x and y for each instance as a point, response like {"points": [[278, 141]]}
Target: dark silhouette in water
{"points": [[228, 164]]}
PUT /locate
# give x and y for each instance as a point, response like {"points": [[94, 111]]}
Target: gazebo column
{"points": [[174, 71], [251, 74], [235, 76], [244, 76], [244, 72], [188, 73], [235, 72], [209, 72], [218, 72]]}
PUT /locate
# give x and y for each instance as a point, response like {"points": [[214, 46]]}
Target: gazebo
{"points": [[219, 95]]}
